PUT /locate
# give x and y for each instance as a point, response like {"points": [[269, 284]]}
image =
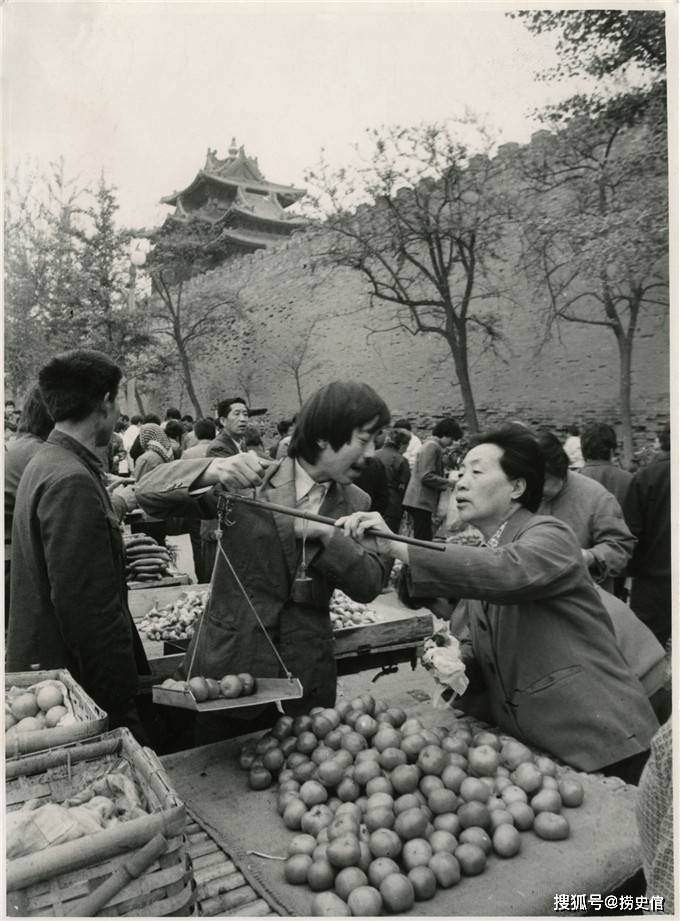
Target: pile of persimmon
{"points": [[230, 686], [386, 811]]}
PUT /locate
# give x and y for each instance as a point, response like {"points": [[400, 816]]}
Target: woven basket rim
{"points": [[169, 819]]}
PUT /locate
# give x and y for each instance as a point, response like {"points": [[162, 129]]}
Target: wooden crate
{"points": [[52, 881], [92, 720], [398, 627], [145, 598], [180, 579]]}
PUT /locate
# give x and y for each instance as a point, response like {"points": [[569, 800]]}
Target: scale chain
{"points": [[223, 509]]}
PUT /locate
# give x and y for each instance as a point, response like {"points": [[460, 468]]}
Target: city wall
{"points": [[571, 377]]}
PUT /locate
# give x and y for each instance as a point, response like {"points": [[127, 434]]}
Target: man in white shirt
{"points": [[414, 444], [131, 432]]}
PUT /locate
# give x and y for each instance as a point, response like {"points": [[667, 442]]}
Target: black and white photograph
{"points": [[340, 352]]}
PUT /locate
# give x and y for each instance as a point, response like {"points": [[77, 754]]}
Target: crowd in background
{"points": [[621, 519]]}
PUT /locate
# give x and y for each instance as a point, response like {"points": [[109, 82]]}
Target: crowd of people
{"points": [[562, 597]]}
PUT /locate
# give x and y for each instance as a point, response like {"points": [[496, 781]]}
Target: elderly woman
{"points": [[157, 448], [554, 675]]}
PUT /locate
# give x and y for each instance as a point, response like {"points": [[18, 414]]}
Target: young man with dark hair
{"points": [[590, 510], [427, 477], [204, 430], [68, 592], [233, 415], [288, 567], [171, 413], [598, 445]]}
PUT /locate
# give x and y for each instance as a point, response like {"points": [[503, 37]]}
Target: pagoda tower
{"points": [[234, 197]]}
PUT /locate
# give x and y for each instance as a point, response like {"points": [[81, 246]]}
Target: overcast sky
{"points": [[141, 89]]}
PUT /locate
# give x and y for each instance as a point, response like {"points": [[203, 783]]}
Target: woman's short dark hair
{"points": [[252, 436], [598, 441], [136, 419], [555, 457], [151, 419], [205, 430], [174, 429], [73, 383], [447, 428], [402, 424], [332, 414], [35, 417], [397, 438], [172, 413], [187, 417], [224, 406], [521, 460]]}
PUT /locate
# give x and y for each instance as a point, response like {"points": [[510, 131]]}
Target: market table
{"points": [[601, 853], [396, 638]]}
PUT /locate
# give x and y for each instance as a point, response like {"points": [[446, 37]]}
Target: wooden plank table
{"points": [[601, 853], [396, 637]]}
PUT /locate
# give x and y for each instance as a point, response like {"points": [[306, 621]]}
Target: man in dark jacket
{"points": [[68, 594], [647, 511], [233, 415], [598, 446]]}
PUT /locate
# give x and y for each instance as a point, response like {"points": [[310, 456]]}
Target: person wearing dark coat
{"points": [[598, 445], [543, 648], [233, 415], [398, 472], [647, 511], [391, 456], [36, 424], [68, 605], [373, 481]]}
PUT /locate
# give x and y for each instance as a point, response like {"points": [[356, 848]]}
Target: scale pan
{"points": [[269, 690]]}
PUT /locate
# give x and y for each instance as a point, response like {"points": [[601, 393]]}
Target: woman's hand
{"points": [[356, 525]]}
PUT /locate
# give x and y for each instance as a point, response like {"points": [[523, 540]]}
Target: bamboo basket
{"points": [[52, 881], [92, 720]]}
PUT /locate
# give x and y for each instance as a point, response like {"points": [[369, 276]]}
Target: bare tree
{"points": [[298, 357], [424, 223], [595, 230], [192, 312]]}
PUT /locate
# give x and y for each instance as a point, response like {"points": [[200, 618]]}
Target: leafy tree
{"points": [[602, 42], [423, 222], [114, 323], [595, 231], [188, 311], [43, 283], [66, 275]]}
